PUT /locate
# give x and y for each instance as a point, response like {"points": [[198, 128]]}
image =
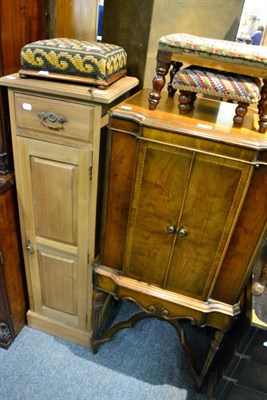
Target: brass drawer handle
{"points": [[52, 120]]}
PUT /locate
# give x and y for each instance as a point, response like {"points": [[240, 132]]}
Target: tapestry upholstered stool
{"points": [[223, 55], [229, 87], [99, 64]]}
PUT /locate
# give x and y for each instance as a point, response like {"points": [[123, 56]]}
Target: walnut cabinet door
{"points": [[183, 210], [54, 191]]}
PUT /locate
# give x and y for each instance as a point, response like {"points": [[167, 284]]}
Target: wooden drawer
{"points": [[54, 117]]}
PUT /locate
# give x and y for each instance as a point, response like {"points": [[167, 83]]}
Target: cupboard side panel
{"points": [[237, 265], [118, 181]]}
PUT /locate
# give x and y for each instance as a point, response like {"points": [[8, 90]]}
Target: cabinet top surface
{"points": [[71, 90], [210, 119]]}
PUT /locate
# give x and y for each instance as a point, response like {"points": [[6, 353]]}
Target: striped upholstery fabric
{"points": [[211, 82]]}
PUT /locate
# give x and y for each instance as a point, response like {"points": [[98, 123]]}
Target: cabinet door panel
{"points": [[54, 189], [157, 199], [59, 282], [55, 219], [215, 193], [199, 193]]}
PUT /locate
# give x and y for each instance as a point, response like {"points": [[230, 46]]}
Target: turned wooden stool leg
{"points": [[163, 66], [158, 83], [240, 112], [262, 107], [175, 68], [185, 101]]}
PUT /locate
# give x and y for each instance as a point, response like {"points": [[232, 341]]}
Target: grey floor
{"points": [[142, 363]]}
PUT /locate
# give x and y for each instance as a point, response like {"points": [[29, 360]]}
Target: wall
{"points": [[215, 19], [139, 24], [127, 23]]}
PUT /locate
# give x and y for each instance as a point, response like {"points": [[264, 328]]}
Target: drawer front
{"points": [[54, 117]]}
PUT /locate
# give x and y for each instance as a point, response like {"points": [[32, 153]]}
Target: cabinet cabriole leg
{"points": [[103, 306], [213, 349]]}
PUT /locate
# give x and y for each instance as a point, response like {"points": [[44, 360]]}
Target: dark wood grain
{"points": [[225, 207], [11, 252], [248, 236], [119, 180], [21, 22]]}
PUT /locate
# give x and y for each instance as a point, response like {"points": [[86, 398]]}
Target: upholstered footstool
{"points": [[230, 87], [99, 64], [234, 57]]}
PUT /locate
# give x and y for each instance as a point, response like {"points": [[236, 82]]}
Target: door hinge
{"points": [[90, 173], [1, 258]]}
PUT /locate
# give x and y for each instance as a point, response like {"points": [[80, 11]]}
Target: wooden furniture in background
{"points": [[180, 230], [74, 19], [12, 289], [6, 326], [55, 135], [21, 22]]}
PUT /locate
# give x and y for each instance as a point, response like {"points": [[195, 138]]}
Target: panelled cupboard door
{"points": [[184, 208], [54, 197]]}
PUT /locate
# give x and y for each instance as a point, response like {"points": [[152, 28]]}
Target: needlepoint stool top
{"points": [[217, 49], [63, 58], [216, 83]]}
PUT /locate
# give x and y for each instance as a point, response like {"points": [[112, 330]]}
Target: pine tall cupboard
{"points": [[56, 138]]}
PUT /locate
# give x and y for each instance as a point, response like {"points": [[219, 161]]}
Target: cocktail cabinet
{"points": [[184, 217]]}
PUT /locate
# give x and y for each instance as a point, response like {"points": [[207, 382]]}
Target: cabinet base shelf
{"points": [[167, 304], [55, 328]]}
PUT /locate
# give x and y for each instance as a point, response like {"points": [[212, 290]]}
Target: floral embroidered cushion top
{"points": [[241, 53]]}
